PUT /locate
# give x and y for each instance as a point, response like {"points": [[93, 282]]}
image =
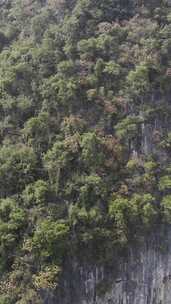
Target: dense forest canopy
{"points": [[83, 84]]}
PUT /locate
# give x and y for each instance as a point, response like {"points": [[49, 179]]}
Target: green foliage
{"points": [[166, 143], [91, 151], [5, 299], [129, 212], [47, 279], [165, 183], [139, 80], [17, 168], [166, 205], [84, 134], [13, 222], [50, 240], [38, 24], [128, 127], [36, 194], [37, 132]]}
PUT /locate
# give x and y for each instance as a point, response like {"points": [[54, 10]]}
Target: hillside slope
{"points": [[85, 136]]}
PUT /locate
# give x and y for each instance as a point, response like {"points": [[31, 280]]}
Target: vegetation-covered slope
{"points": [[79, 82]]}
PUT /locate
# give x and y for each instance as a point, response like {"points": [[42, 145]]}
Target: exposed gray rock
{"points": [[141, 277]]}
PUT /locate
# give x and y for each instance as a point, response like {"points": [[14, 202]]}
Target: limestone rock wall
{"points": [[142, 277]]}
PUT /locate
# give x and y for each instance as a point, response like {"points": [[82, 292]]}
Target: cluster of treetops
{"points": [[80, 81]]}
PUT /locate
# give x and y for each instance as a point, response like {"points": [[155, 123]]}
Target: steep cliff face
{"points": [[153, 129], [142, 277], [85, 145]]}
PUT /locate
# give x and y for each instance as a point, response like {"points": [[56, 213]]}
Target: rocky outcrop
{"points": [[143, 276]]}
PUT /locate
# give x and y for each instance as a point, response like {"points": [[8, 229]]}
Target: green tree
{"points": [[17, 168], [50, 240]]}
